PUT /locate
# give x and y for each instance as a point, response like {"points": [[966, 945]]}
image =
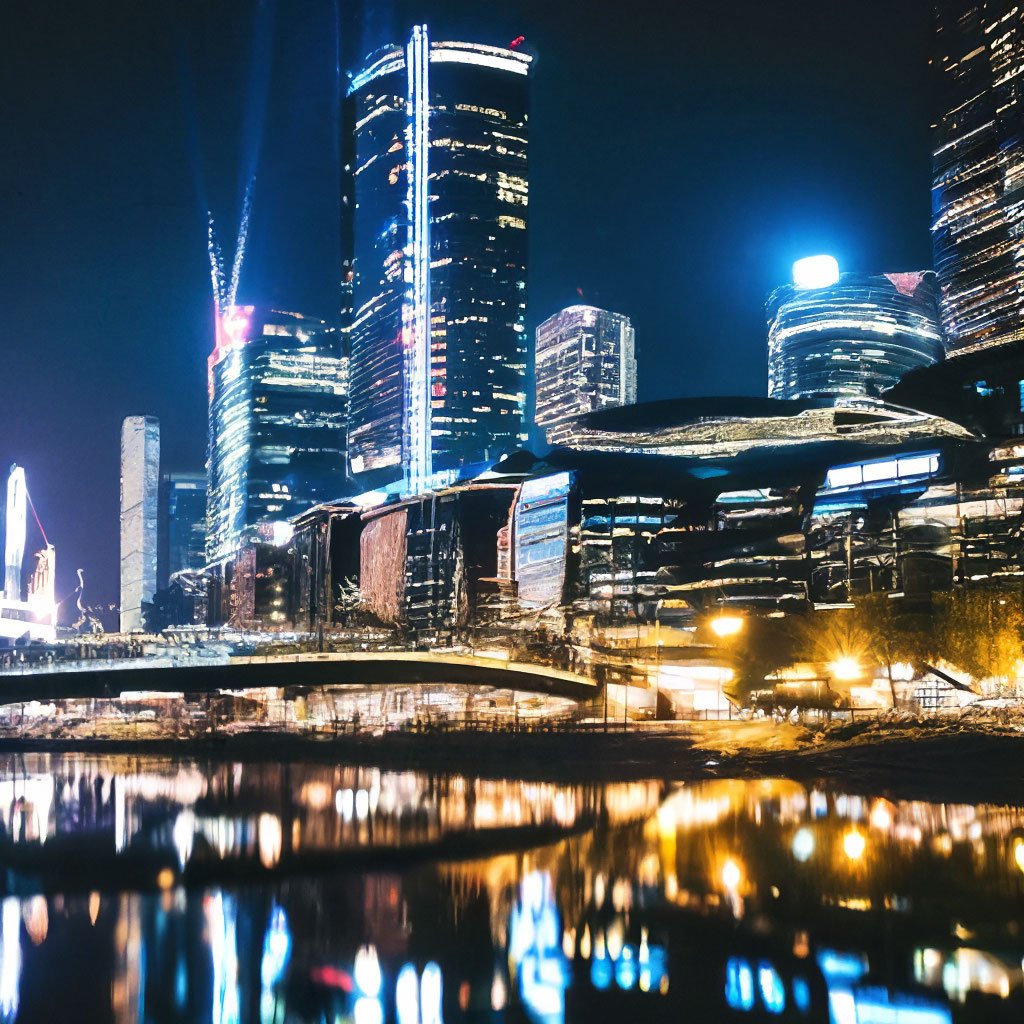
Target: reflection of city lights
{"points": [[1018, 852], [726, 625], [366, 971], [499, 994], [739, 984], [407, 995], [268, 833], [881, 818], [164, 878], [368, 1010], [854, 844], [731, 874], [846, 669], [773, 994], [803, 844], [430, 994], [10, 958]]}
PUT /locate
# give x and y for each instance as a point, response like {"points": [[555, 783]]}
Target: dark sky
{"points": [[682, 155]]}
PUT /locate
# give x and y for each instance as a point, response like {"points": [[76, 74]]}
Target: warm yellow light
{"points": [[846, 669], [854, 844], [731, 874], [1018, 852], [726, 625]]}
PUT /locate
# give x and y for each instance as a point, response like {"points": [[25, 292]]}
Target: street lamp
{"points": [[846, 669], [724, 626]]}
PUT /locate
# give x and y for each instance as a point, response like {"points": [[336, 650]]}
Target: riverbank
{"points": [[907, 760]]}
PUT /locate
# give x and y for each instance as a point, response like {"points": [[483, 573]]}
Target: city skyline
{"points": [[753, 253]]}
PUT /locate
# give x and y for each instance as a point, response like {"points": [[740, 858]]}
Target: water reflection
{"points": [[373, 897]]}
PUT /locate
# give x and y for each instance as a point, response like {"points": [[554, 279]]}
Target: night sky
{"points": [[681, 157]]}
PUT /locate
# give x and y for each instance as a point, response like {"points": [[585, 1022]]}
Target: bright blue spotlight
{"points": [[815, 272]]}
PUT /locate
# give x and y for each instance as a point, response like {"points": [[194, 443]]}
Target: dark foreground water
{"points": [[141, 889]]}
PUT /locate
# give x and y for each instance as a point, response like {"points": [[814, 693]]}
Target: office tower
{"points": [[438, 202], [585, 361], [140, 486], [14, 532], [978, 172], [833, 335], [182, 523], [278, 393]]}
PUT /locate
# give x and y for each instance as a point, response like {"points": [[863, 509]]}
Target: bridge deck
{"points": [[330, 669]]}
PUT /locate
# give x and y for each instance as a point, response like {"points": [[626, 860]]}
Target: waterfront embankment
{"points": [[929, 760]]}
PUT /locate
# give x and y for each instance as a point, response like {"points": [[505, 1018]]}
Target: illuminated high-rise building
{"points": [[182, 523], [278, 395], [833, 335], [978, 172], [585, 361], [437, 198], [14, 532], [140, 486]]}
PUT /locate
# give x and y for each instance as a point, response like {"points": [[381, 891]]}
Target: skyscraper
{"points": [[182, 523], [438, 194], [14, 532], [278, 393], [833, 335], [585, 361], [978, 172], [140, 484]]}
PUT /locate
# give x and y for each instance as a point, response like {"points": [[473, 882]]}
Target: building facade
{"points": [[978, 172], [278, 397], [852, 338], [585, 361], [437, 196], [182, 524], [140, 495]]}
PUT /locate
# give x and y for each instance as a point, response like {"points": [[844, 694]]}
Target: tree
{"points": [[892, 633], [349, 601], [981, 631]]}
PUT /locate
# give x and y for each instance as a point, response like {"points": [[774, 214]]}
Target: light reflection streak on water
{"points": [[221, 919], [10, 958]]}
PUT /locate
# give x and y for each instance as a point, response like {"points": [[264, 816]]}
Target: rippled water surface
{"points": [[143, 889]]}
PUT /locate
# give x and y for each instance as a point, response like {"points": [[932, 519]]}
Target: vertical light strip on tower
{"points": [[14, 538], [416, 308]]}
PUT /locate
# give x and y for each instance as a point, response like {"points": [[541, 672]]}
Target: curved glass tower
{"points": [[856, 336], [437, 194]]}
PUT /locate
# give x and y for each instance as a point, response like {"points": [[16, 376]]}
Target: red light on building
{"points": [[517, 42]]}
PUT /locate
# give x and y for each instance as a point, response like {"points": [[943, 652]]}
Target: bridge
{"points": [[85, 680]]}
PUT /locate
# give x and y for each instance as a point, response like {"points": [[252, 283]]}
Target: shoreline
{"points": [[932, 764]]}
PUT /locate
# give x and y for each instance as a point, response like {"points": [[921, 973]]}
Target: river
{"points": [[150, 889]]}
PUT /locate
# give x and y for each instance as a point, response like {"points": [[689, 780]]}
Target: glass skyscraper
{"points": [[182, 524], [437, 202], [585, 361], [978, 172], [278, 393], [140, 485], [854, 337]]}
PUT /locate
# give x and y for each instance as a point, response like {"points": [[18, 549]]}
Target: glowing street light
{"points": [[846, 669], [726, 625]]}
